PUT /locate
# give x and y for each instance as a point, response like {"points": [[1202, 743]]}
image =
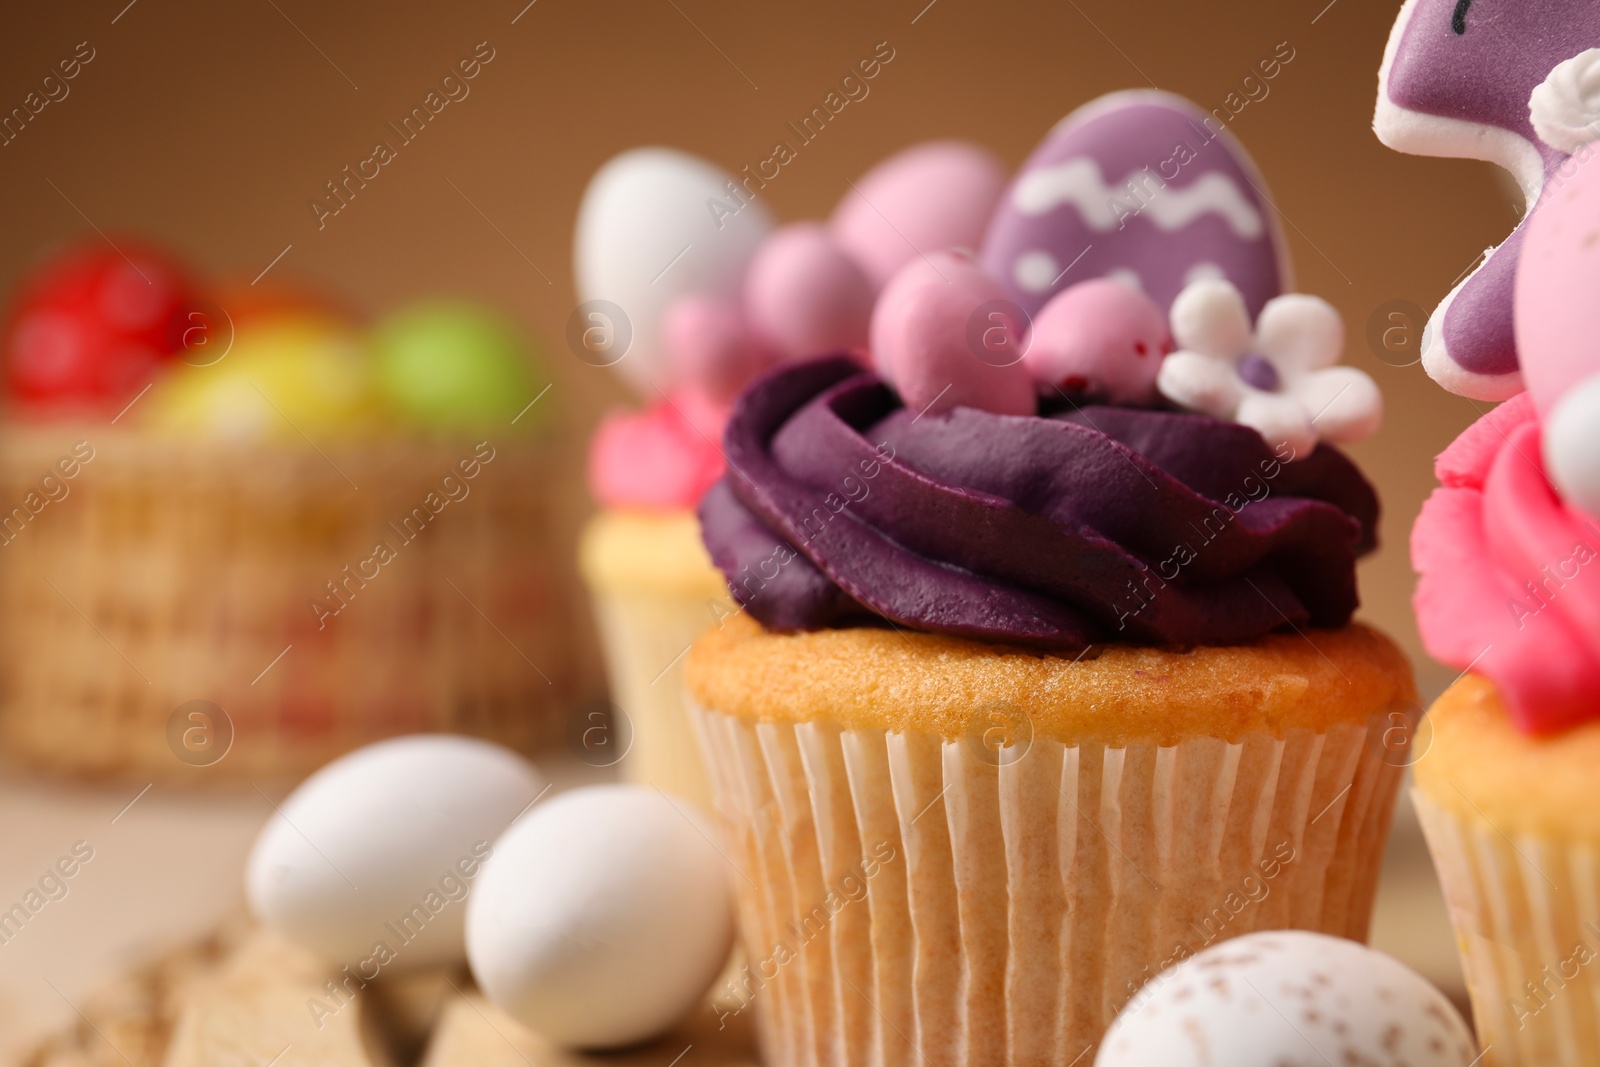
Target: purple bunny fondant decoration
{"points": [[1142, 186], [1456, 80]]}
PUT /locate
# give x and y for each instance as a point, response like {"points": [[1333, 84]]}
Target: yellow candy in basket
{"points": [[294, 378]]}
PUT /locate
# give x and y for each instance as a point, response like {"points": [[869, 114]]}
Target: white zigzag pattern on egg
{"points": [[1080, 182]]}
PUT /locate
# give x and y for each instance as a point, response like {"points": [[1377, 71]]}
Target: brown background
{"points": [[212, 126]]}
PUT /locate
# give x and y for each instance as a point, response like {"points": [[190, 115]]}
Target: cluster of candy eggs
{"points": [[744, 295], [713, 292], [97, 325], [598, 917]]}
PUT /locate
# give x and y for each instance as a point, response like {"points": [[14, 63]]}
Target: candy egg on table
{"points": [[1288, 997], [93, 325], [656, 224], [454, 365], [281, 379], [1100, 337], [604, 917], [368, 863], [928, 197]]}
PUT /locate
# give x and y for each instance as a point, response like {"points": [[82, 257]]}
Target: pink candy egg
{"points": [[805, 297], [1099, 338], [708, 342], [1557, 316], [929, 197], [923, 340]]}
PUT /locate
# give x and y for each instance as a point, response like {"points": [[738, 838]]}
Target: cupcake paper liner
{"points": [[1526, 912], [910, 900]]}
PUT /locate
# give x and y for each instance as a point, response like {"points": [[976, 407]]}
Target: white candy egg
{"points": [[656, 224], [603, 918], [382, 847], [1288, 997], [1572, 445]]}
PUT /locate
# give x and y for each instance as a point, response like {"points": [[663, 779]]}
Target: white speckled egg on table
{"points": [[1287, 998], [656, 224], [603, 918], [383, 847]]}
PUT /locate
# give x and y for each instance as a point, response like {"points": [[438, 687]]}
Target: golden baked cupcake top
{"points": [[880, 678]]}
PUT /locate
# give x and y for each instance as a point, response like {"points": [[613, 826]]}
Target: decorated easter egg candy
{"points": [[370, 861], [603, 917], [805, 296], [654, 225], [293, 379], [1136, 186], [1288, 996], [1100, 338], [94, 325], [710, 345], [453, 365], [931, 339], [1485, 82], [926, 198]]}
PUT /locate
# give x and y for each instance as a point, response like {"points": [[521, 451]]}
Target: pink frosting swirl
{"points": [[1510, 575], [663, 457]]}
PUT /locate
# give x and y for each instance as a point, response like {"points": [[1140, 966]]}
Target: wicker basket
{"points": [[247, 576]]}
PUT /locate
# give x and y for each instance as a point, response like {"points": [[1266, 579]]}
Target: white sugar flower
{"points": [[1279, 380]]}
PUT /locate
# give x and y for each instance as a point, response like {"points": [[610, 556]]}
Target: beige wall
{"points": [[213, 125]]}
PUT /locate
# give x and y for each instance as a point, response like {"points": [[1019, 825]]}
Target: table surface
{"points": [[167, 867]]}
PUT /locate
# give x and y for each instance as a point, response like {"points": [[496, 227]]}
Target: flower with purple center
{"points": [[1277, 376]]}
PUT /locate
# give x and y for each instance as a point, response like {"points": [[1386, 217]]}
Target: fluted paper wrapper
{"points": [[1526, 912], [644, 637], [909, 900]]}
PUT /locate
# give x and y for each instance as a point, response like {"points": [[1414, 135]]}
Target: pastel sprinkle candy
{"points": [[1099, 338], [922, 340], [1136, 186], [1457, 80]]}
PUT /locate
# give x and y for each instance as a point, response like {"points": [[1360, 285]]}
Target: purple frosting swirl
{"points": [[1057, 531]]}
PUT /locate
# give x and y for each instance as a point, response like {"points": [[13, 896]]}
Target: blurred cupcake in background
{"points": [[688, 292], [283, 534]]}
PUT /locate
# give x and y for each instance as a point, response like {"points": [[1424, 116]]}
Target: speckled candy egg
{"points": [[1142, 186], [1287, 998]]}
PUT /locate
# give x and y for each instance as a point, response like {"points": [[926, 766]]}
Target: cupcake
{"points": [[689, 292], [1504, 549], [1044, 677], [196, 586]]}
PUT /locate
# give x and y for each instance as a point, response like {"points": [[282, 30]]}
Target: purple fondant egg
{"points": [[1143, 187]]}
